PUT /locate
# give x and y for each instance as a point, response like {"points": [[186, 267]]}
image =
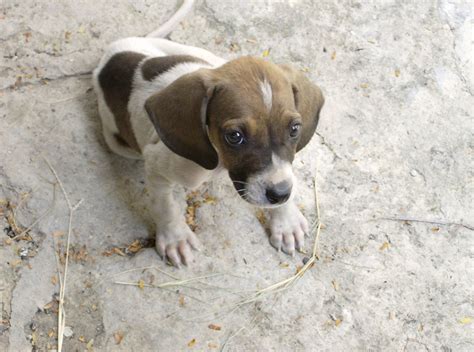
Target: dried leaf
{"points": [[90, 345], [118, 336], [118, 251], [338, 322], [82, 339], [210, 200], [212, 345], [141, 284], [335, 285], [192, 343], [333, 55], [435, 229], [54, 279], [384, 246], [397, 73], [135, 246], [181, 301], [284, 265], [27, 36], [466, 320], [15, 263], [58, 233], [214, 327], [364, 85], [266, 53], [261, 217]]}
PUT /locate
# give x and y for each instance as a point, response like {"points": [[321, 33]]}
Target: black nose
{"points": [[278, 193]]}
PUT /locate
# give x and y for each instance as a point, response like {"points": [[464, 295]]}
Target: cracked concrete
{"points": [[395, 142]]}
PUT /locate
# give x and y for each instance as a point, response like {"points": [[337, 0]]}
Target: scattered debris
{"points": [[118, 336], [192, 343], [234, 47], [384, 246], [260, 214], [214, 327], [90, 345]]}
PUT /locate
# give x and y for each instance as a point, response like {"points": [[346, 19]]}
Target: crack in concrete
{"points": [[455, 56], [328, 147]]}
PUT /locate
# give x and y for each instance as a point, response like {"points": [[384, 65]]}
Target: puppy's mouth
{"points": [[262, 199]]}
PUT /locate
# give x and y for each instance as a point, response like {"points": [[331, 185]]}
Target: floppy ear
{"points": [[178, 113], [308, 101]]}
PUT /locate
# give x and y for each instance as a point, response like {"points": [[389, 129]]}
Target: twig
{"points": [[168, 283], [28, 229], [62, 289], [435, 222]]}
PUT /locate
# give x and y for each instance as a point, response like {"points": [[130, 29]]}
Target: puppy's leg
{"points": [[163, 168], [174, 239], [287, 227]]}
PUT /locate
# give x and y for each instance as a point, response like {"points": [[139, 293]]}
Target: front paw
{"points": [[175, 243], [287, 228]]}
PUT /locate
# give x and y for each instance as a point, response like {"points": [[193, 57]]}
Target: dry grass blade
{"points": [[170, 283], [62, 289], [42, 216]]}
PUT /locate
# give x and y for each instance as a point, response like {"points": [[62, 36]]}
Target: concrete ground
{"points": [[395, 142]]}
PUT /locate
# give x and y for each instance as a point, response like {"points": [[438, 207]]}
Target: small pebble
{"points": [[68, 331], [23, 252]]}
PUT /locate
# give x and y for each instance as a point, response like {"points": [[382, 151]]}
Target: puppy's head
{"points": [[249, 115]]}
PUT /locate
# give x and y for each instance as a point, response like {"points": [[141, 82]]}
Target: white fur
{"points": [[267, 94], [287, 227], [257, 185]]}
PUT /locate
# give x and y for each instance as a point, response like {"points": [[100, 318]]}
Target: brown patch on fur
{"points": [[238, 102], [176, 114], [234, 100], [158, 65], [116, 80]]}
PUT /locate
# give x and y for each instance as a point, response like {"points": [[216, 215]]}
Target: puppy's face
{"points": [[255, 127], [250, 115]]}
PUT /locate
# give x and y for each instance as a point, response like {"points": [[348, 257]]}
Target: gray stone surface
{"points": [[395, 141]]}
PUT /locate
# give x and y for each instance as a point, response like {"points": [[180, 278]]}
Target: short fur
{"points": [[176, 105]]}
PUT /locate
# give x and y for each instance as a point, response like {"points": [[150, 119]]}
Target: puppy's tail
{"points": [[173, 22]]}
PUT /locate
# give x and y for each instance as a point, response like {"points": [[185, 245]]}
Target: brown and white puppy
{"points": [[191, 114]]}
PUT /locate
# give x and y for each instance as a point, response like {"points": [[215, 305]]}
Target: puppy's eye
{"points": [[295, 130], [234, 138]]}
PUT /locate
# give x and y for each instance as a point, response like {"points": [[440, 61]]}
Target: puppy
{"points": [[190, 115]]}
